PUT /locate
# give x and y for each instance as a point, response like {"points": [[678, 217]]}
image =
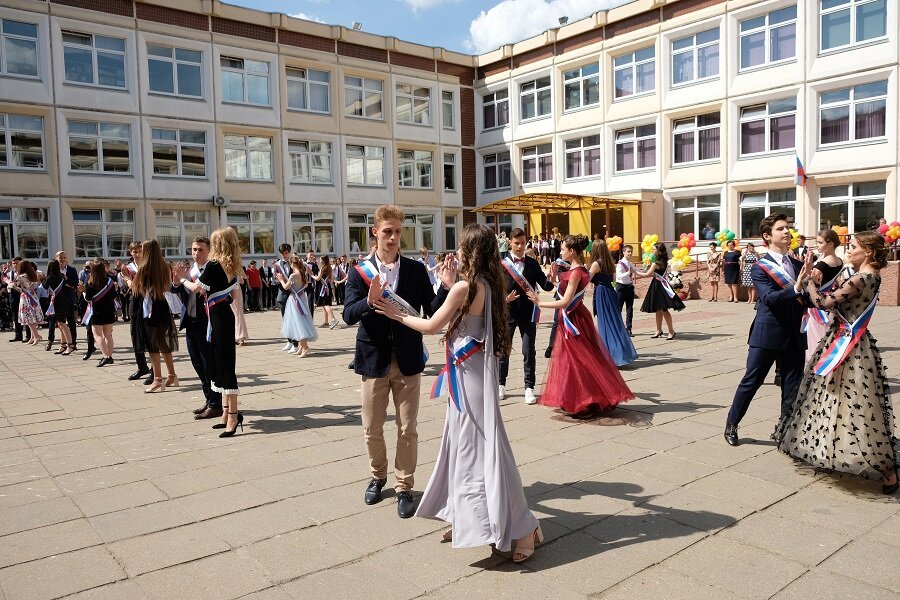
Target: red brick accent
{"points": [[492, 69], [645, 19], [242, 29], [124, 8], [531, 56], [303, 40], [579, 41], [469, 190], [469, 217], [171, 16], [467, 115], [363, 52], [412, 62], [686, 7], [466, 75]]}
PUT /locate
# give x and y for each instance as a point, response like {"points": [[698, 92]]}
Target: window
{"points": [[413, 104], [450, 232], [313, 231], [365, 165], [99, 147], [696, 139], [21, 142], [94, 59], [255, 231], [179, 152], [310, 161], [449, 172], [768, 127], [635, 72], [695, 57], [537, 163], [534, 97], [854, 113], [19, 52], [364, 97], [499, 222], [583, 157], [248, 157], [496, 171], [694, 214], [418, 231], [307, 89], [176, 230], [24, 232], [175, 71], [848, 22], [636, 148], [414, 169], [359, 227], [769, 38], [244, 81], [582, 86], [858, 206], [103, 233], [447, 108], [756, 205], [495, 109]]}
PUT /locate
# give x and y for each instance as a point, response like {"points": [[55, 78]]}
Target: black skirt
{"points": [[657, 299]]}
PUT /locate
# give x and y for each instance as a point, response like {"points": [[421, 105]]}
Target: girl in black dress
{"points": [[660, 296], [732, 267], [825, 269], [152, 281], [60, 305], [324, 294], [100, 293]]}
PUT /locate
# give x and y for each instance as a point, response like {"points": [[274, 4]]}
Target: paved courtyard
{"points": [[110, 493]]}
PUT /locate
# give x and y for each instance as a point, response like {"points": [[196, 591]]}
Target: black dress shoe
{"points": [[16, 339], [548, 351], [209, 413], [778, 380], [373, 491], [405, 505], [137, 375], [149, 380], [352, 365], [197, 411], [106, 360], [731, 435], [87, 355]]}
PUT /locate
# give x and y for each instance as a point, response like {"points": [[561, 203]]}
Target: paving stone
{"points": [[38, 514], [868, 561], [823, 505], [223, 500], [128, 588], [671, 468], [261, 522], [46, 541], [33, 490], [166, 548], [119, 497], [824, 585], [741, 489], [285, 557], [794, 539], [367, 534], [347, 582], [197, 480], [42, 580], [139, 521], [222, 577], [660, 583], [506, 583]]}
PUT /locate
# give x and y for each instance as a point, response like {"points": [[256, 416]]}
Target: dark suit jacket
{"points": [[778, 312], [283, 294], [194, 323], [71, 276], [522, 308], [379, 338]]}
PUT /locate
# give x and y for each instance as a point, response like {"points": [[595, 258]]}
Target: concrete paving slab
{"points": [[41, 580], [166, 548]]}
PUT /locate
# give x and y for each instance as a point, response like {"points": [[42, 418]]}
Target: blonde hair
{"points": [[387, 212], [225, 248]]}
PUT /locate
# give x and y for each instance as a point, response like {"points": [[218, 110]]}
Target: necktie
{"points": [[518, 260], [788, 266]]}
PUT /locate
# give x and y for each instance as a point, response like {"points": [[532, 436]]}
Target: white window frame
{"points": [[763, 199], [767, 28], [301, 76], [8, 131], [851, 103], [368, 154], [449, 161], [852, 6], [621, 137], [189, 227], [316, 222], [255, 219], [769, 112], [582, 81], [180, 145], [530, 92], [246, 72], [100, 139], [694, 49], [695, 210], [21, 227], [414, 101], [249, 146], [95, 51], [492, 102], [417, 224], [447, 110], [316, 150], [495, 161], [359, 223], [105, 221], [851, 198], [690, 125], [365, 92], [629, 62], [175, 63], [4, 67], [571, 149], [542, 157], [420, 165]]}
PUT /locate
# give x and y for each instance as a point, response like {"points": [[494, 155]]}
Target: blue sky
{"points": [[470, 26]]}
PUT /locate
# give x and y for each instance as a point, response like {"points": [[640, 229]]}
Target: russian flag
{"points": [[800, 177]]}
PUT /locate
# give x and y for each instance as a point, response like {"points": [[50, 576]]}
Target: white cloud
{"points": [[307, 17], [515, 20], [418, 5]]}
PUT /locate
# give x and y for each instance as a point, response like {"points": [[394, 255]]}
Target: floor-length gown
{"points": [[609, 321], [844, 421], [297, 323], [240, 323], [475, 485], [223, 374]]}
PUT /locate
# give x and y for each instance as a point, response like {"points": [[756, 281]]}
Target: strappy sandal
{"points": [[520, 555]]}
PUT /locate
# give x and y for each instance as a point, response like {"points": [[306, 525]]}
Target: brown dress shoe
{"points": [[197, 411], [209, 413]]}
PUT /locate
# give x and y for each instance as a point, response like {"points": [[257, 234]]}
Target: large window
{"points": [[310, 161], [179, 152], [770, 38], [103, 233], [696, 138], [449, 172], [582, 86], [94, 59], [307, 89], [365, 165], [848, 22], [636, 148], [19, 51], [695, 214], [450, 232], [583, 157], [255, 231], [313, 232], [768, 127], [413, 104], [756, 205], [359, 228], [414, 168], [176, 230], [534, 98], [99, 147], [496, 171], [858, 206], [245, 81], [695, 57], [24, 232], [21, 142], [418, 231], [853, 113], [537, 163], [248, 157], [495, 109], [447, 110], [635, 72], [175, 71], [364, 97]]}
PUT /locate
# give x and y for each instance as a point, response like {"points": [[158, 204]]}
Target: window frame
{"points": [[452, 164], [175, 62], [366, 157], [99, 137], [540, 154], [582, 81], [179, 221], [252, 223], [450, 239], [499, 159], [415, 223], [7, 131], [312, 221], [413, 100], [248, 151], [580, 151], [105, 222], [694, 49], [635, 140], [768, 205], [448, 109], [245, 74], [634, 65], [365, 92], [536, 94], [695, 210], [307, 83], [95, 69], [494, 104], [852, 6], [10, 243], [178, 143], [767, 127], [851, 103], [294, 154], [767, 29], [416, 161], [851, 200], [695, 130], [4, 68]]}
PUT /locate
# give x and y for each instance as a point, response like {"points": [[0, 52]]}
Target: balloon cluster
{"points": [[681, 257], [795, 239], [725, 236], [687, 240], [614, 243], [890, 232], [843, 232], [648, 255]]}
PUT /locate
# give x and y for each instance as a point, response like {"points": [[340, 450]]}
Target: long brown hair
{"points": [[154, 277], [480, 257], [600, 254], [830, 237], [324, 267], [874, 243], [26, 268], [99, 275], [297, 263]]}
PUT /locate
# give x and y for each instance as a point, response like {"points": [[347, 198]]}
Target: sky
{"points": [[469, 26]]}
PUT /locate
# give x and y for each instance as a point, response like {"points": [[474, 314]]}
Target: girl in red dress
{"points": [[582, 378]]}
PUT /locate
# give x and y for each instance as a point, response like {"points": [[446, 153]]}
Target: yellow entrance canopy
{"points": [[527, 203]]}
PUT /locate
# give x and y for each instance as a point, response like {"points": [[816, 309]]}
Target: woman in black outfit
{"points": [[100, 293], [152, 281], [61, 302], [732, 269], [135, 315]]}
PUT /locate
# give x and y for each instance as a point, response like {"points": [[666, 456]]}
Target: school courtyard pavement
{"points": [[110, 493]]}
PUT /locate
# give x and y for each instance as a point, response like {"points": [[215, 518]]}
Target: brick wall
{"points": [[114, 7], [467, 115], [302, 40], [578, 41], [413, 62], [468, 178], [687, 6], [363, 52], [242, 29], [171, 16], [466, 75]]}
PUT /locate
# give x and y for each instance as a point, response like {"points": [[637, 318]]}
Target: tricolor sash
{"points": [[51, 310], [301, 303], [448, 378], [563, 315], [89, 311], [367, 271], [193, 276], [817, 314], [776, 272], [667, 287], [846, 337], [212, 300], [510, 266], [284, 268]]}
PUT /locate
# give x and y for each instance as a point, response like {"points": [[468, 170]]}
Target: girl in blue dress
{"points": [[297, 324], [606, 307]]}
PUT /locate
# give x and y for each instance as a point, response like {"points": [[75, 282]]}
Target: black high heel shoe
{"points": [[240, 421], [658, 335]]}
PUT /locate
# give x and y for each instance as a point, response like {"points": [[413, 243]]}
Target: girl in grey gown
{"points": [[475, 486]]}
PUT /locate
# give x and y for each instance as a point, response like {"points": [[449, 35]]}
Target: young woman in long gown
{"points": [[824, 273], [475, 486], [151, 283], [606, 306], [842, 419], [30, 313], [297, 323], [660, 298]]}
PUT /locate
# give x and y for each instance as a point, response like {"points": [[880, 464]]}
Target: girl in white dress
{"points": [[297, 323]]}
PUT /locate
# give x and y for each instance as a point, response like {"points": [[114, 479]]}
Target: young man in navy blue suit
{"points": [[390, 356], [775, 334]]}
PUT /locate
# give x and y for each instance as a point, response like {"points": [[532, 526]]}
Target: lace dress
{"points": [[844, 421]]}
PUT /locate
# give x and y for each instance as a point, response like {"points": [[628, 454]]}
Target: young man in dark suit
{"points": [[389, 356], [71, 276], [775, 334], [283, 266], [519, 269]]}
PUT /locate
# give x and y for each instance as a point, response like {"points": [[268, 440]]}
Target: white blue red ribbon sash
{"points": [[212, 300], [51, 310], [89, 311], [667, 287], [510, 266], [300, 302], [817, 314], [563, 315], [367, 271], [846, 337], [448, 379], [781, 277]]}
